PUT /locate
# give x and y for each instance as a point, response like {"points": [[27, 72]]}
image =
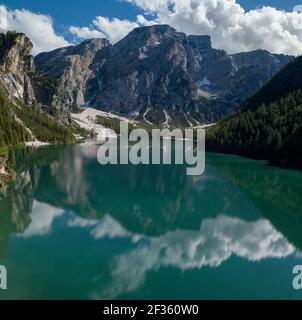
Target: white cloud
{"points": [[39, 28], [86, 33], [114, 29], [231, 27]]}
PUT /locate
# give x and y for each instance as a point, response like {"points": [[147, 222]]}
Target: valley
{"points": [[154, 77], [150, 150]]}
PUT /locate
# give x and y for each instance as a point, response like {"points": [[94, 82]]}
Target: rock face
{"points": [[71, 68], [147, 70], [157, 75], [16, 66], [154, 74], [27, 96]]}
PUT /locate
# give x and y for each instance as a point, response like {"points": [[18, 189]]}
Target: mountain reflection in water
{"points": [[130, 223]]}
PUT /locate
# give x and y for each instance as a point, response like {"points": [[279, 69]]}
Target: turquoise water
{"points": [[72, 229]]}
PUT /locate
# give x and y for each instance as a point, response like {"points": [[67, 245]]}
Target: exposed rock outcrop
{"points": [[71, 67], [16, 66], [158, 75]]}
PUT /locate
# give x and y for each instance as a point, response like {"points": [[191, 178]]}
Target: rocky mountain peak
{"points": [[16, 65], [16, 52], [160, 30], [95, 43], [157, 74], [149, 36], [71, 68], [200, 43], [257, 57], [88, 47]]}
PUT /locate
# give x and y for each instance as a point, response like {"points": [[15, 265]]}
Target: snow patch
{"points": [[204, 82], [87, 120], [188, 121], [144, 117], [204, 94], [205, 126], [168, 118]]}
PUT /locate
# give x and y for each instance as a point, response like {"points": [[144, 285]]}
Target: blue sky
{"points": [[228, 25], [82, 12], [76, 12]]}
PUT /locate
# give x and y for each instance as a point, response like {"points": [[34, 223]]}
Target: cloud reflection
{"points": [[217, 240], [42, 218], [107, 227]]}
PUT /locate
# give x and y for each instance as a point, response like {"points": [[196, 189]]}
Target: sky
{"points": [[234, 25]]}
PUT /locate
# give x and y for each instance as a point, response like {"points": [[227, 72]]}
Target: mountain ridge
{"points": [[269, 124], [157, 73], [22, 117]]}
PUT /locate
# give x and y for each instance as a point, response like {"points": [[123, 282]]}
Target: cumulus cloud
{"points": [[114, 30], [86, 32], [230, 26], [102, 27], [39, 28]]}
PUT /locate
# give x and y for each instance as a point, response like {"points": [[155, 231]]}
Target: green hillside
{"points": [[268, 125], [18, 123], [11, 131]]}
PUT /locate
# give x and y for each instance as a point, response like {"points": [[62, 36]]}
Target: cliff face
{"points": [[24, 117], [71, 69], [158, 75], [155, 74], [22, 82], [16, 66]]}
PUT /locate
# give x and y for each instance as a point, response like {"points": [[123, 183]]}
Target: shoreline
{"points": [[276, 163]]}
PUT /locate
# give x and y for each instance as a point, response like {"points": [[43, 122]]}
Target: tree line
{"points": [[268, 131]]}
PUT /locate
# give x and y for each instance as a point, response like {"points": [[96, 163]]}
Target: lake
{"points": [[72, 229]]}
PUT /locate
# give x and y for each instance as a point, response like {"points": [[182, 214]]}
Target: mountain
{"points": [[286, 81], [71, 69], [157, 75], [269, 124], [23, 117], [16, 66]]}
